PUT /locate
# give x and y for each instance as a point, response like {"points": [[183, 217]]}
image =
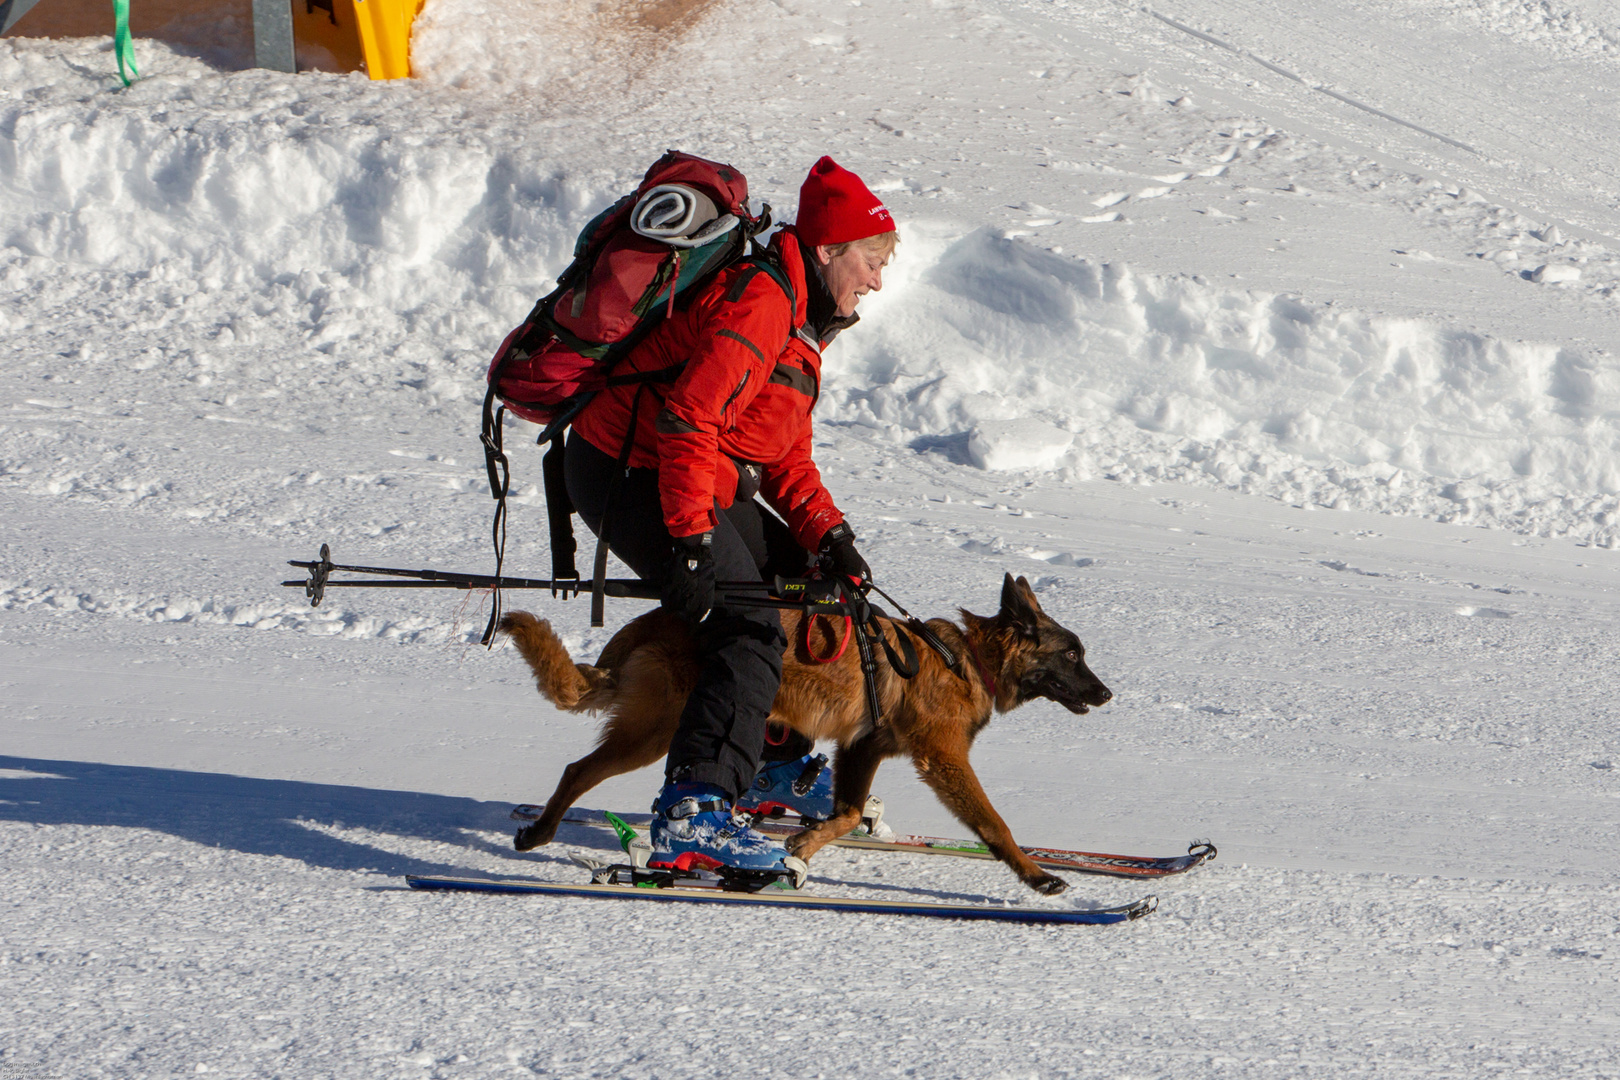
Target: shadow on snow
{"points": [[263, 817]]}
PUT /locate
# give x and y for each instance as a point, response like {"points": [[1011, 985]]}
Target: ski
{"points": [[1085, 862], [803, 901]]}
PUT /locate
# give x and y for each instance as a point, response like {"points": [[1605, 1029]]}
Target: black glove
{"points": [[690, 592], [839, 558]]}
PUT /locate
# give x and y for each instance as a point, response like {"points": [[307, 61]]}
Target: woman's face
{"points": [[851, 275]]}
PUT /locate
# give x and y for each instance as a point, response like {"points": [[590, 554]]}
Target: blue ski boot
{"points": [[804, 786], [801, 786], [693, 828]]}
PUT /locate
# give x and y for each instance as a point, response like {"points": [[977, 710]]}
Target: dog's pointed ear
{"points": [[1019, 606]]}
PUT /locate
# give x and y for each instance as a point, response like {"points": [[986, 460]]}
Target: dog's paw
{"points": [[532, 836], [1050, 885]]}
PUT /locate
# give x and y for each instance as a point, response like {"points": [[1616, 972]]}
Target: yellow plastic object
{"points": [[355, 35], [385, 35], [326, 36]]}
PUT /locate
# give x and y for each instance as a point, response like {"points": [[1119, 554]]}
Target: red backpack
{"points": [[685, 222]]}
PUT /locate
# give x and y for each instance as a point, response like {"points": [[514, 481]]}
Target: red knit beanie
{"points": [[835, 207]]}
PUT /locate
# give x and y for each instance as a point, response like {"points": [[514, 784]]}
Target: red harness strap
{"points": [[842, 645]]}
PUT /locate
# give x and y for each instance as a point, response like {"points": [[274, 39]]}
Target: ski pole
{"points": [[320, 579]]}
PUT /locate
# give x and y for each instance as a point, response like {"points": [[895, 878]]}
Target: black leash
{"points": [[920, 628]]}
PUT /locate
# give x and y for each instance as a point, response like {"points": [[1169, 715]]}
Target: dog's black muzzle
{"points": [[1075, 696]]}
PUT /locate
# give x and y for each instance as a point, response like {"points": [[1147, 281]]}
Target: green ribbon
{"points": [[123, 46]]}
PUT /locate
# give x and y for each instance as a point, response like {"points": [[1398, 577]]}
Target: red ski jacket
{"points": [[746, 383]]}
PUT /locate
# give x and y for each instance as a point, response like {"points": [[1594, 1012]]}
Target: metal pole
{"points": [[12, 10], [273, 35]]}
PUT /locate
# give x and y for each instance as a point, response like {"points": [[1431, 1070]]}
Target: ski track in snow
{"points": [[1221, 363]]}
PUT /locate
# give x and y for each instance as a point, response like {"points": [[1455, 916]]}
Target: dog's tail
{"points": [[567, 685]]}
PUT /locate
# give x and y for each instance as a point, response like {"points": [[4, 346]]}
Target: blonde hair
{"points": [[883, 244]]}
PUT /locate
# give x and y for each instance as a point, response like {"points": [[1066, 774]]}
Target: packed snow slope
{"points": [[1277, 348]]}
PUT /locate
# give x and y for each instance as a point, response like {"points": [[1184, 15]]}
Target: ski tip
{"points": [[1136, 909], [1202, 850]]}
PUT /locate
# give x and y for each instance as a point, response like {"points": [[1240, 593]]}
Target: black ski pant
{"points": [[722, 733]]}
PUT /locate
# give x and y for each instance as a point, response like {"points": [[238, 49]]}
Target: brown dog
{"points": [[647, 670]]}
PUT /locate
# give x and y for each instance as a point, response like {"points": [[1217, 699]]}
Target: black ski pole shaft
{"points": [[815, 607], [320, 579], [436, 579], [461, 580], [633, 589]]}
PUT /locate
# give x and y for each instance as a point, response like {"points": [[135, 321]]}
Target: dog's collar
{"points": [[984, 672]]}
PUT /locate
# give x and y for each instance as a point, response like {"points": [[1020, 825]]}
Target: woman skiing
{"points": [[735, 423]]}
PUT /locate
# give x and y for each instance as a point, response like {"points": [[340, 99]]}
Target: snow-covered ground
{"points": [[1276, 346]]}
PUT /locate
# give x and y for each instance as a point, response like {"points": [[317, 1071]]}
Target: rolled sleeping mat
{"points": [[679, 216]]}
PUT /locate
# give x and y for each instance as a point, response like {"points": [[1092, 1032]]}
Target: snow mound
{"points": [[1555, 273], [1588, 28], [1042, 361], [235, 184], [1017, 444]]}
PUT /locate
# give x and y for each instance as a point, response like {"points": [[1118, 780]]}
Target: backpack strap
{"points": [[768, 265], [783, 374], [760, 262], [500, 481]]}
